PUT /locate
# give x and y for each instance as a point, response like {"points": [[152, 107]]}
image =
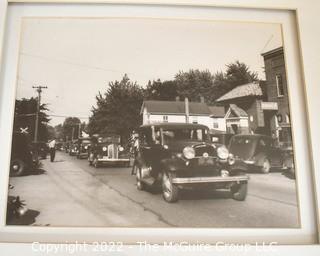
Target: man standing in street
{"points": [[52, 149]]}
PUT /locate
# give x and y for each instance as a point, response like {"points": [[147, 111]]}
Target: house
{"points": [[154, 111], [244, 112], [278, 112]]}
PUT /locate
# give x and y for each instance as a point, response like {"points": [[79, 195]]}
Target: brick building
{"points": [[277, 94]]}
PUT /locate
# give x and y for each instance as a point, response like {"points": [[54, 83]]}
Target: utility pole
{"points": [[39, 91], [72, 134], [79, 132]]}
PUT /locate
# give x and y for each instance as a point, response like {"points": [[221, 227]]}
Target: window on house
{"points": [[215, 125], [279, 82], [165, 118]]}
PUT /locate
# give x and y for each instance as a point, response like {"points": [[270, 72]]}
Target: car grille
{"points": [[202, 149]]}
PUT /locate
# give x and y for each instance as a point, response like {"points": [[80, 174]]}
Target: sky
{"points": [[77, 57]]}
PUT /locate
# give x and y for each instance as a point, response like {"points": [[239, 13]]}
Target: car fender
{"points": [[239, 165], [259, 158]]}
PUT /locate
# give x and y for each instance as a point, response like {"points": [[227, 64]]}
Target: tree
{"points": [[70, 128], [236, 74], [157, 90], [117, 110], [25, 115], [195, 84]]}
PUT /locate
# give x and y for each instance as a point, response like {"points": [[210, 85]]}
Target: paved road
{"points": [[71, 193]]}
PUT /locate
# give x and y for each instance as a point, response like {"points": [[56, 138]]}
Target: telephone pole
{"points": [[39, 91]]}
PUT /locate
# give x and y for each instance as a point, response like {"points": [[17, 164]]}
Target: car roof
{"points": [[174, 125]]}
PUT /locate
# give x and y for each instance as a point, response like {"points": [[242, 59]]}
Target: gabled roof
{"points": [[174, 107], [235, 110], [217, 111], [251, 89]]}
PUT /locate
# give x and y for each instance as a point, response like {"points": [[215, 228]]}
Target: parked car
{"points": [[22, 157], [258, 151], [107, 150], [73, 148], [83, 147], [175, 156]]}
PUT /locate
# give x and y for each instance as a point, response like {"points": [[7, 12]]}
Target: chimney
{"points": [[178, 98], [186, 105], [201, 99]]}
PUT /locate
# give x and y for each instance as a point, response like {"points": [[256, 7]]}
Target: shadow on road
{"points": [[37, 171], [27, 219], [204, 194], [289, 175]]}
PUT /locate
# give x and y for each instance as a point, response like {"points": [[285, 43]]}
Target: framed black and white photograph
{"points": [[123, 123]]}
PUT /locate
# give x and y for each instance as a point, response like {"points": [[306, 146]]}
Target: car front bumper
{"points": [[111, 160], [217, 179]]}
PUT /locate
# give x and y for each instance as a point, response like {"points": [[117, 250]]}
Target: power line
{"points": [[69, 62], [80, 117]]}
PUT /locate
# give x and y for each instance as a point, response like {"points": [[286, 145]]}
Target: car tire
{"points": [[140, 184], [239, 191], [17, 168], [170, 192], [266, 166]]}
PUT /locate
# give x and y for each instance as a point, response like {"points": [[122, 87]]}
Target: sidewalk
{"points": [[66, 195]]}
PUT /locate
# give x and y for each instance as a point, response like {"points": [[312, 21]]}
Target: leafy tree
{"points": [[157, 90], [236, 74], [25, 116], [195, 84], [118, 109], [70, 128]]}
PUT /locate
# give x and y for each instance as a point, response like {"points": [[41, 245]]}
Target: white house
{"points": [[154, 111]]}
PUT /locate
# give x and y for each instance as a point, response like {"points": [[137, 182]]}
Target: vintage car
{"points": [[107, 150], [22, 157], [83, 147], [73, 148], [174, 156], [258, 151]]}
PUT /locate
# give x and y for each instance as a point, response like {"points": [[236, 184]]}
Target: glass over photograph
{"points": [[136, 122]]}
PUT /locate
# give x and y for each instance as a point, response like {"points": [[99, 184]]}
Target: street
{"points": [[69, 192]]}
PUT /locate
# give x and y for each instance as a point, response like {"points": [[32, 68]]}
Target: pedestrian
{"points": [[52, 149], [134, 149]]}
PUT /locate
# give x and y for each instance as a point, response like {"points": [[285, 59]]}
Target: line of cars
{"points": [[99, 150]]}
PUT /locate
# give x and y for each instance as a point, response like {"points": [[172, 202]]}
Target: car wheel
{"points": [[170, 192], [266, 166], [140, 184], [17, 168], [239, 191]]}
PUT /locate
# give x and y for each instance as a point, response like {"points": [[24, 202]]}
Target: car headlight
{"points": [[222, 152], [231, 159], [189, 152], [104, 148], [121, 149], [85, 147]]}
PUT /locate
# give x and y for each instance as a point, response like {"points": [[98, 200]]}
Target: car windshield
{"points": [[242, 145], [86, 142], [171, 135]]}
